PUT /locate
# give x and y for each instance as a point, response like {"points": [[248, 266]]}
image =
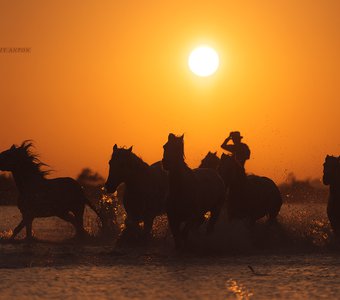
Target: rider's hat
{"points": [[236, 134]]}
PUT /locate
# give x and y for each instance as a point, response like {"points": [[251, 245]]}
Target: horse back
{"points": [[263, 185], [265, 193], [51, 197], [63, 186]]}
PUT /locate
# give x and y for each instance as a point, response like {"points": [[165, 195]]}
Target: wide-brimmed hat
{"points": [[236, 134]]}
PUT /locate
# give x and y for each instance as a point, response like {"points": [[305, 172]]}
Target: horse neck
{"points": [[26, 178], [139, 169], [178, 175]]}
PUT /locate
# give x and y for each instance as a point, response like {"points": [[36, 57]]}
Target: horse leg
{"points": [[79, 221], [272, 219], [214, 214], [186, 229], [148, 222], [28, 223], [131, 226], [17, 229], [272, 216], [174, 225]]}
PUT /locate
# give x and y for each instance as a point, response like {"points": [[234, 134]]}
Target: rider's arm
{"points": [[227, 147]]}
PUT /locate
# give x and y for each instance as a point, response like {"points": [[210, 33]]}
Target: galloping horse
{"points": [[331, 177], [41, 197], [250, 196], [146, 187], [192, 192]]}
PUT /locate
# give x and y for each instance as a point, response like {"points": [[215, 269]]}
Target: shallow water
{"points": [[296, 260]]}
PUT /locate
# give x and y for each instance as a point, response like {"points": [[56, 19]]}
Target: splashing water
{"points": [[240, 292], [112, 215]]}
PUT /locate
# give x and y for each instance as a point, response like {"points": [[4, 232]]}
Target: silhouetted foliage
{"points": [[87, 177], [306, 190]]}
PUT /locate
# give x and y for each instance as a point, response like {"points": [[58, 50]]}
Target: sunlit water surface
{"points": [[297, 260]]}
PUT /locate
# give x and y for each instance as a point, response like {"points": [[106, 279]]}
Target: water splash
{"points": [[112, 215], [238, 290]]}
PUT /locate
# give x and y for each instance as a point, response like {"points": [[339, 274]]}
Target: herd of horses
{"points": [[187, 196]]}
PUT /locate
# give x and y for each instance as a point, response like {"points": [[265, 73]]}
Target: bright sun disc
{"points": [[203, 61]]}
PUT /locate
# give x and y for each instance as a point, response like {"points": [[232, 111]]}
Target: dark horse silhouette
{"points": [[146, 187], [251, 197], [192, 192], [331, 177], [41, 197], [211, 160]]}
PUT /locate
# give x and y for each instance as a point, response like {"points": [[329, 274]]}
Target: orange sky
{"points": [[105, 72]]}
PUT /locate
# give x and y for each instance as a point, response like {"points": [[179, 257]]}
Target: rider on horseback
{"points": [[238, 150]]}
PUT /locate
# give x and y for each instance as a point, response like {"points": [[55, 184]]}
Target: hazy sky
{"points": [[105, 72]]}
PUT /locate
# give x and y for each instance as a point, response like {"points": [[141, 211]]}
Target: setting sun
{"points": [[203, 61]]}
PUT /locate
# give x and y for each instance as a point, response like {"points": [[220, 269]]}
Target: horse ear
{"points": [[182, 137], [13, 147], [171, 136], [130, 149], [215, 153], [224, 156], [115, 147]]}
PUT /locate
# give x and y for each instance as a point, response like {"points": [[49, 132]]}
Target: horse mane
{"points": [[32, 159], [226, 156], [138, 161]]}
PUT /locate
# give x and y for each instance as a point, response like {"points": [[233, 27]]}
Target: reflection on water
{"points": [[240, 292], [296, 260]]}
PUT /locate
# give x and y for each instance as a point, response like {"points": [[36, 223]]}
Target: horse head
{"points": [[15, 156], [173, 151], [331, 169], [230, 169], [120, 165], [211, 160]]}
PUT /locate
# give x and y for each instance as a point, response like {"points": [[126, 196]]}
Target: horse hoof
{"points": [[30, 239]]}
